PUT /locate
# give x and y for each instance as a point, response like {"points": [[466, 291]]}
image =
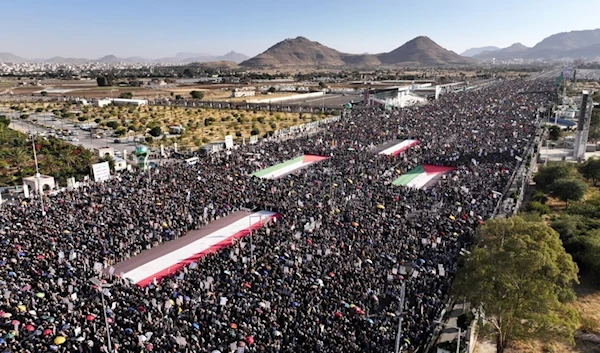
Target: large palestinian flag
{"points": [[285, 168], [395, 148], [422, 176], [170, 257]]}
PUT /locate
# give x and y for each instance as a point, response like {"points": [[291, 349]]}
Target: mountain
{"points": [[11, 58], [475, 51], [180, 58], [301, 52], [514, 51], [569, 40], [422, 50], [61, 60], [296, 52], [583, 44]]}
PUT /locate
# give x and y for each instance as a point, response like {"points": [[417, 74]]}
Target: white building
{"points": [[46, 183], [243, 92], [121, 101], [120, 164], [103, 151]]}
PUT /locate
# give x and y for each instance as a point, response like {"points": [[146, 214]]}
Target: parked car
{"points": [[117, 141]]}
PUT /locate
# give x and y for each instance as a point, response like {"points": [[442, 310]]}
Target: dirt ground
{"points": [[198, 131]]}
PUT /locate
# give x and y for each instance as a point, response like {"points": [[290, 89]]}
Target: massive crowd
{"points": [[326, 276]]}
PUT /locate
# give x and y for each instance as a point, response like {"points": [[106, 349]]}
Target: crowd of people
{"points": [[326, 276]]}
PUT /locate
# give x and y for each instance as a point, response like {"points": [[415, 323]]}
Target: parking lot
{"points": [[44, 124]]}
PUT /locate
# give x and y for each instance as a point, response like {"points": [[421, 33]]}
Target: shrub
{"points": [[149, 139], [155, 131], [538, 207]]}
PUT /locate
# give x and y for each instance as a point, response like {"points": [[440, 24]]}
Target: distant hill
{"points": [[474, 51], [296, 52], [583, 44], [11, 58], [422, 50], [180, 58], [514, 51], [301, 52]]}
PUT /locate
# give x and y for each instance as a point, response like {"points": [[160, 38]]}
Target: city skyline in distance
{"points": [[151, 29]]}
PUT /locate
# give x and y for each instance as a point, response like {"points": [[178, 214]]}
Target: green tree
{"points": [[568, 190], [155, 131], [547, 175], [272, 89], [4, 120], [555, 133], [126, 95], [521, 277], [113, 124], [591, 170], [44, 93], [103, 81], [197, 94]]}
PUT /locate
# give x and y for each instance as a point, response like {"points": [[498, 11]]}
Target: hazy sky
{"points": [[153, 28]]}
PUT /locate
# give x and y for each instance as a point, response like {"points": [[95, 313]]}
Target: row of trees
{"points": [[55, 157]]}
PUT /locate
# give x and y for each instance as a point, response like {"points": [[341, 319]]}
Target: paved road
{"points": [[85, 138]]}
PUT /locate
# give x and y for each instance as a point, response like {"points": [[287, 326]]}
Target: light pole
{"points": [[249, 211], [37, 176], [101, 286], [459, 333], [399, 334]]}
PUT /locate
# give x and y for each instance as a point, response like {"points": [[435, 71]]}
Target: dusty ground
{"points": [[225, 122]]}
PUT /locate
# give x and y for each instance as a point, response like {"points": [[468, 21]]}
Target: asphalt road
{"points": [[85, 138]]}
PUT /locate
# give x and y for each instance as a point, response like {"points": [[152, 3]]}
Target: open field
{"points": [[202, 125]]}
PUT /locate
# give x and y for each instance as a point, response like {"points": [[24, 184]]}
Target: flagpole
{"points": [[37, 176]]}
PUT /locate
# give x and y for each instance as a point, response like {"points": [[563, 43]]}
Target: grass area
{"points": [[202, 125]]}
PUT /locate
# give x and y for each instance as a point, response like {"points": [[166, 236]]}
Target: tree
{"points": [[322, 85], [547, 175], [197, 94], [188, 73], [591, 170], [521, 277], [103, 81], [43, 93], [178, 97], [272, 89], [4, 120], [568, 189], [555, 133], [155, 131], [126, 95]]}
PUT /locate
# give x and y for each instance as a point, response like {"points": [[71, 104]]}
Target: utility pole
{"points": [[37, 177], [399, 334]]}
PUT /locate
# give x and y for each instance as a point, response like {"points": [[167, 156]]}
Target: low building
{"points": [[41, 184], [243, 92], [120, 164], [103, 151], [121, 101], [176, 130]]}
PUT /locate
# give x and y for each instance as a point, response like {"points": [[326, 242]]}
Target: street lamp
{"points": [[95, 281], [250, 211], [399, 334], [37, 176], [459, 333]]}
